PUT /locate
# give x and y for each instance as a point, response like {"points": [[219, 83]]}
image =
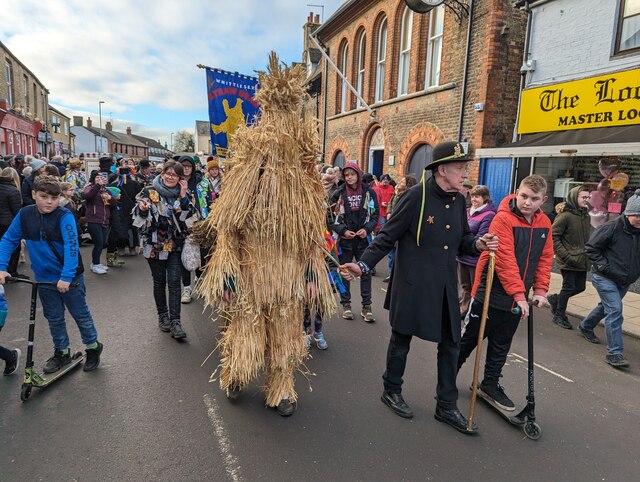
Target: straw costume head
{"points": [[266, 224]]}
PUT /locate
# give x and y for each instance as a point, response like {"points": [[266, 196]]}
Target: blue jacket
{"points": [[59, 227]]}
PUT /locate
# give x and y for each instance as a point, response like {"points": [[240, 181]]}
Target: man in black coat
{"points": [[430, 227]]}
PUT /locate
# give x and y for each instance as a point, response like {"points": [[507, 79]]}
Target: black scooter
{"points": [[31, 377], [527, 416]]}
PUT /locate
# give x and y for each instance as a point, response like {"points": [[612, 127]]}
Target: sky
{"points": [[140, 56]]}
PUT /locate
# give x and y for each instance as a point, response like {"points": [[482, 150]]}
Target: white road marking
{"points": [[231, 464], [543, 368]]}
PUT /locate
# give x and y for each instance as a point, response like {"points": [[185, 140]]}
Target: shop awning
{"points": [[602, 141]]}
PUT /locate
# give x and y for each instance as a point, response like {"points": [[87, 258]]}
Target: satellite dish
{"points": [[423, 6]]}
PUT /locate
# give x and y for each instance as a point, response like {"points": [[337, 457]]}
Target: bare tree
{"points": [[183, 141]]}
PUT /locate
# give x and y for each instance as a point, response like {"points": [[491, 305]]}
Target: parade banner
{"points": [[603, 101], [231, 103]]}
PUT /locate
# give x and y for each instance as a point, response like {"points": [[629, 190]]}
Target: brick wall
{"points": [[29, 105], [426, 116]]}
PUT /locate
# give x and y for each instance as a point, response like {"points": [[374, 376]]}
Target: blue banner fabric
{"points": [[231, 103]]}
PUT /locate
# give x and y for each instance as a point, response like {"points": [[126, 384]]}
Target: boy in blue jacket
{"points": [[52, 241]]}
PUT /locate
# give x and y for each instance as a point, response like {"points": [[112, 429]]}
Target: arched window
{"points": [[361, 54], [338, 159], [405, 51], [381, 60], [420, 158], [434, 47], [344, 69]]}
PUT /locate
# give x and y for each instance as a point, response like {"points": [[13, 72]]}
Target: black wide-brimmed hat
{"points": [[446, 152]]}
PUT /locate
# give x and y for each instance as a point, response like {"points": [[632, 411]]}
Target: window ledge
{"points": [[428, 91]]}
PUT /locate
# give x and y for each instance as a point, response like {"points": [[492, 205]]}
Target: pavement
{"points": [[150, 412], [580, 305]]}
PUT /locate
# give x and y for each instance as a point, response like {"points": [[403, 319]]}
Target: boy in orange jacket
{"points": [[523, 261]]}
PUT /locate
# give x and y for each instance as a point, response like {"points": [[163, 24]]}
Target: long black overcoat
{"points": [[424, 275]]}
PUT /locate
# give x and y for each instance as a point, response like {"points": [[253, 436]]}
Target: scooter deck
{"points": [[44, 380], [509, 416]]}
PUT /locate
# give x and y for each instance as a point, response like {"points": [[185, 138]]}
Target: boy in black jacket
{"points": [[613, 250], [355, 215]]}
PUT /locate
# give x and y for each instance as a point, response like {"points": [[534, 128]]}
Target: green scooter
{"points": [[31, 377]]}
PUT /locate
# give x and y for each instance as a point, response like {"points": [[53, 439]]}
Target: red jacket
{"points": [[523, 260], [384, 194]]}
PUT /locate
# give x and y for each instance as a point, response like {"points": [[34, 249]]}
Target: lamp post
{"points": [[100, 113], [172, 142]]}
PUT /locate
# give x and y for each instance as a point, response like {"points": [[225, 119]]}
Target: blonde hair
{"points": [[66, 186], [535, 182], [10, 174]]}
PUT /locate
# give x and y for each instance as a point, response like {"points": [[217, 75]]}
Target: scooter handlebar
{"points": [[29, 282]]}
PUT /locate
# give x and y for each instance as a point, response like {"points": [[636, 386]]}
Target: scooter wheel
{"points": [[532, 430], [25, 393]]}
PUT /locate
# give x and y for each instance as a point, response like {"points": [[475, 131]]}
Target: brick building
{"points": [[60, 128], [94, 142], [23, 108], [410, 69]]}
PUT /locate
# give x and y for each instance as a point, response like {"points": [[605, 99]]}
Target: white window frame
{"points": [[381, 60], [361, 69], [434, 47], [404, 66], [9, 77], [625, 16], [345, 70]]}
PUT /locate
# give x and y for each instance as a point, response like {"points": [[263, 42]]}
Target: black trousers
{"points": [[167, 273], [446, 390], [500, 328], [573, 283], [12, 267], [353, 248], [5, 354]]}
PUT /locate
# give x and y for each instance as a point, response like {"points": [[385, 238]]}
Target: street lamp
{"points": [[100, 113], [172, 142]]}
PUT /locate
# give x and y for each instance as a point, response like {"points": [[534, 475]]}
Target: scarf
{"points": [[472, 210], [169, 193]]}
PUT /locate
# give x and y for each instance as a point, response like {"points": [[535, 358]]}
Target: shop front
{"points": [[584, 132], [18, 135]]}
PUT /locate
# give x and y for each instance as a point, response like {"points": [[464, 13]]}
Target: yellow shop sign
{"points": [[604, 101]]}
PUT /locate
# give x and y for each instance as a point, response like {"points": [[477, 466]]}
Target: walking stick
{"points": [[483, 322]]}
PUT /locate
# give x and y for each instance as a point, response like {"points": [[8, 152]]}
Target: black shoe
{"points": [[455, 418], [553, 303], [617, 361], [562, 322], [233, 392], [177, 332], [286, 407], [164, 322], [495, 392], [386, 280], [57, 361], [396, 403], [12, 365], [589, 335], [93, 358]]}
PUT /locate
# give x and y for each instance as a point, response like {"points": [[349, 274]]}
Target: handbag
{"points": [[191, 254]]}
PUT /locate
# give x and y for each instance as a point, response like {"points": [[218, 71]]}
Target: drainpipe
{"points": [[523, 69], [324, 113], [466, 71]]}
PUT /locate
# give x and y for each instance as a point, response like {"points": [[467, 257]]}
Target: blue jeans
{"points": [[53, 304], [391, 258], [609, 308]]}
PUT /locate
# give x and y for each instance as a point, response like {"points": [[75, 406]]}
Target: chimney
{"points": [[89, 122], [128, 131], [77, 120], [317, 19], [108, 126]]}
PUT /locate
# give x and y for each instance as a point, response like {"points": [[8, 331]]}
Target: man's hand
{"points": [[349, 271], [488, 242], [311, 291], [184, 187], [361, 233], [349, 234], [227, 296], [63, 286], [524, 309], [3, 277], [539, 301]]}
